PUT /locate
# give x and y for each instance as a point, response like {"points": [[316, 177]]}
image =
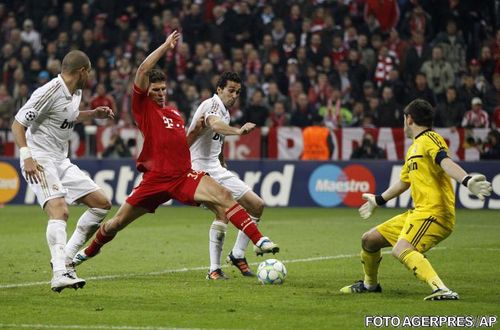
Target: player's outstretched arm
{"points": [[477, 184], [374, 201], [218, 126], [99, 113], [141, 78]]}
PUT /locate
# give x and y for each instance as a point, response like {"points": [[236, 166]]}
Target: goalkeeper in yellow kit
{"points": [[427, 171]]}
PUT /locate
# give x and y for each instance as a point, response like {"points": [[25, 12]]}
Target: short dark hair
{"points": [[75, 60], [228, 76], [156, 75], [421, 111]]}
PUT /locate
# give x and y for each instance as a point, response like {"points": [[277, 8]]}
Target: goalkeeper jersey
{"points": [[431, 188]]}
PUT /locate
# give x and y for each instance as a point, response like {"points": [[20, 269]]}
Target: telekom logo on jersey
{"points": [[169, 123]]}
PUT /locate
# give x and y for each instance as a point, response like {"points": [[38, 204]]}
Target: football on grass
{"points": [[271, 271]]}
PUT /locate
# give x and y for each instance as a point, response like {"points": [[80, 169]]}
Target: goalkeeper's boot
{"points": [[217, 274], [80, 257], [441, 294], [359, 287], [265, 245], [62, 281], [241, 264]]}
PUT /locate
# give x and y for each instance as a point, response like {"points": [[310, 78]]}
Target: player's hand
{"points": [[247, 128], [172, 39], [33, 170], [366, 210], [104, 113], [479, 186]]}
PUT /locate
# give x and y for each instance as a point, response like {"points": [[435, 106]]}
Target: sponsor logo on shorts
{"points": [[9, 182], [330, 185]]}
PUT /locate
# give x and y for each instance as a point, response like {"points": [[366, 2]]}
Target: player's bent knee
{"points": [[369, 242], [259, 207]]}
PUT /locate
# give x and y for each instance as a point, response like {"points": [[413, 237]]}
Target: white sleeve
{"points": [[212, 109], [38, 103]]}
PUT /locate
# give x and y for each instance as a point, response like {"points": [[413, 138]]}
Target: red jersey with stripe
{"points": [[165, 148]]}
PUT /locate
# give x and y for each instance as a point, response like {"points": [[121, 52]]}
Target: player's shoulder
{"points": [[50, 88], [433, 138]]}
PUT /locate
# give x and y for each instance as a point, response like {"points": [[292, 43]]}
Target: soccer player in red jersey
{"points": [[166, 163]]}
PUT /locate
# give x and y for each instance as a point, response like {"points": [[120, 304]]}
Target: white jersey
{"points": [[206, 149], [50, 115]]}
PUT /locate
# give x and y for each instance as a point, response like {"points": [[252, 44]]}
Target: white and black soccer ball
{"points": [[271, 271]]}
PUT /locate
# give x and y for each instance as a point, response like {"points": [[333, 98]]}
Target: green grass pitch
{"points": [[152, 276]]}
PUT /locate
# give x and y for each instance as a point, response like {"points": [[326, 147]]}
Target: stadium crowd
{"points": [[354, 63]]}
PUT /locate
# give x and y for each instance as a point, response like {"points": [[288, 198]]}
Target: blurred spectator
{"points": [[491, 148], [417, 53], [451, 111], [439, 73], [421, 90], [257, 112], [385, 11], [334, 114], [278, 116], [303, 113], [397, 85], [468, 89], [315, 51], [389, 112], [357, 73], [368, 149], [358, 113], [31, 36], [487, 63], [116, 148], [417, 20], [274, 95], [6, 102], [101, 99], [385, 64], [495, 121], [320, 92], [453, 46], [476, 117], [397, 45], [367, 54], [318, 143]]}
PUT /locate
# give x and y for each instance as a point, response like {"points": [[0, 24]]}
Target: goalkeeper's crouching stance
{"points": [[427, 171]]}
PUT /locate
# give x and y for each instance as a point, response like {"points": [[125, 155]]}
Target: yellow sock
{"points": [[422, 268], [370, 261]]}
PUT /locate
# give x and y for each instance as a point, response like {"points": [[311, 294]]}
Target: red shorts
{"points": [[156, 189]]}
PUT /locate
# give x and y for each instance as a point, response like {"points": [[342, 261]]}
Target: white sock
{"points": [[242, 241], [86, 226], [216, 242], [56, 238]]}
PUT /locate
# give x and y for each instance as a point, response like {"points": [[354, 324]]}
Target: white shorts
{"points": [[229, 180], [61, 178]]}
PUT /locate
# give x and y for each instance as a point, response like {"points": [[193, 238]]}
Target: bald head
{"points": [[75, 60]]}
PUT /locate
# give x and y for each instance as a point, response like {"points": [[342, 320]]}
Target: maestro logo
{"points": [[9, 182], [330, 185]]}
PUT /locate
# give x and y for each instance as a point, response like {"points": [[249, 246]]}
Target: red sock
{"points": [[241, 220], [101, 238]]}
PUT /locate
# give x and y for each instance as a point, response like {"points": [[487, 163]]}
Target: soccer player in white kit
{"points": [[207, 155], [42, 129]]}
